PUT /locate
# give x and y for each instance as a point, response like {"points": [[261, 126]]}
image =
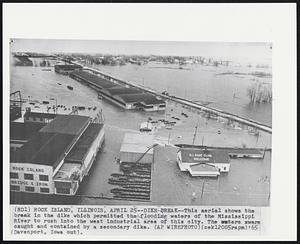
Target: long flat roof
{"points": [[204, 156], [68, 66], [44, 149], [137, 143], [141, 97], [66, 124], [123, 90], [23, 131], [82, 146], [94, 79], [39, 115], [138, 138], [135, 148]]}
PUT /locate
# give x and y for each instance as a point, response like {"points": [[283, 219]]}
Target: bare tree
{"points": [[258, 93]]}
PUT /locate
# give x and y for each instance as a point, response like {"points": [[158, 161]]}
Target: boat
{"points": [[184, 114], [59, 84], [45, 102], [70, 87]]}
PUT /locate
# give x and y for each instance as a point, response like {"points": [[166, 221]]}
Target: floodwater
{"points": [[36, 84], [197, 82]]}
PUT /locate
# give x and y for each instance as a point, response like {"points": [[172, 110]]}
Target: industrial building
{"points": [[15, 106], [203, 162], [66, 69], [95, 81], [137, 146], [38, 117], [55, 158], [21, 132], [122, 96], [143, 101]]}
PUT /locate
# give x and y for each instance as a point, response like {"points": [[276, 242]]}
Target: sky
{"points": [[246, 51]]}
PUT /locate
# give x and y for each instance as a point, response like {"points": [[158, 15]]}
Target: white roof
{"points": [[135, 148], [146, 125], [137, 142], [138, 138]]}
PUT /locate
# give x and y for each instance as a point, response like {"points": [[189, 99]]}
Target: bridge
{"points": [[217, 112]]}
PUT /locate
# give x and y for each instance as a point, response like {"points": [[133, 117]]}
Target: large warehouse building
{"points": [[55, 159], [122, 96], [66, 69]]}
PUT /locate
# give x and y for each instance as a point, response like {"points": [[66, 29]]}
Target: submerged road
{"points": [[215, 111]]}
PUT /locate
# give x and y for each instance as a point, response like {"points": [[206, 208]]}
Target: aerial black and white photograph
{"points": [[111, 122]]}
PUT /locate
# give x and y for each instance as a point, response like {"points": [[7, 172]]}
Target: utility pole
{"points": [[195, 133], [196, 128], [264, 152], [202, 188], [55, 105], [169, 137]]}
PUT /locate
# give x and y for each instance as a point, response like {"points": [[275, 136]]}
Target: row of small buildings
{"points": [[123, 96], [54, 157]]}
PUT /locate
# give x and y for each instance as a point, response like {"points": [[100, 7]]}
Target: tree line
{"points": [[259, 93]]}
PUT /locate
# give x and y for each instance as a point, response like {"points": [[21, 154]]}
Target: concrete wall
{"points": [[90, 157]]}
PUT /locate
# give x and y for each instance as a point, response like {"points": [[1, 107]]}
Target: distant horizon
{"points": [[244, 51]]}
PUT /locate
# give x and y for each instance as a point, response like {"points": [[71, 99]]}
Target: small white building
{"points": [[136, 145], [193, 160], [146, 127]]}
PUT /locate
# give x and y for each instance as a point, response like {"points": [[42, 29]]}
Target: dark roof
{"points": [[123, 90], [23, 131], [39, 115], [204, 156], [44, 149], [229, 150], [67, 66], [142, 97], [82, 146], [244, 151], [94, 79], [66, 124]]}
